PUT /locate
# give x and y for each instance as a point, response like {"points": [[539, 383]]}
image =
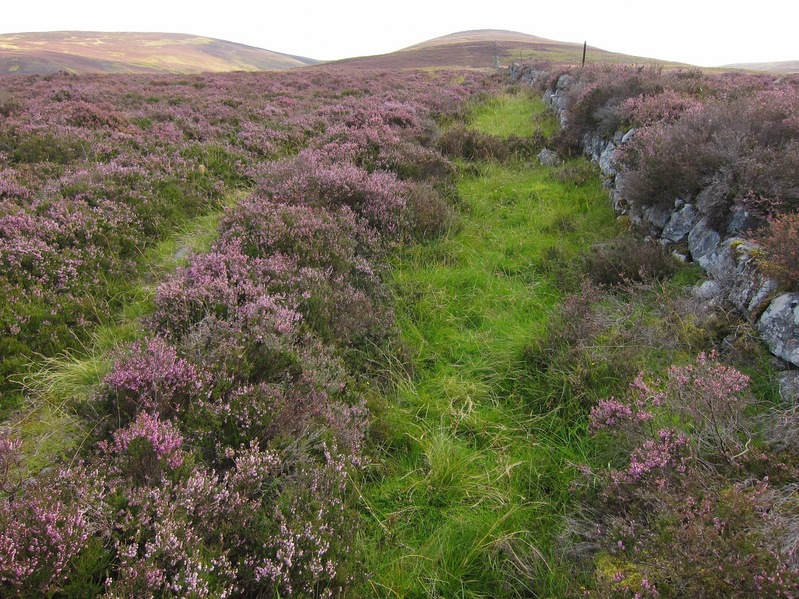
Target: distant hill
{"points": [[485, 48], [784, 67], [95, 52]]}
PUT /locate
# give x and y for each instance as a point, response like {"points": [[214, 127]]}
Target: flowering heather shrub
{"points": [[152, 378], [40, 533], [304, 557], [664, 107], [309, 179], [219, 283], [781, 244], [145, 449], [10, 464], [746, 148], [682, 516], [312, 236]]}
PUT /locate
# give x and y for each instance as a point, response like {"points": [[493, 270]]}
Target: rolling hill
{"points": [[782, 67], [127, 52], [488, 48], [99, 52]]}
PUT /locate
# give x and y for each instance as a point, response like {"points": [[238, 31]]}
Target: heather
{"points": [[223, 425], [96, 170], [321, 335]]}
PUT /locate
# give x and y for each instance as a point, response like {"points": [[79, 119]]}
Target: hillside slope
{"points": [[127, 52], [487, 48], [782, 67]]}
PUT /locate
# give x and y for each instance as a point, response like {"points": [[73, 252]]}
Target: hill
{"points": [[127, 52], [487, 48], [781, 67]]}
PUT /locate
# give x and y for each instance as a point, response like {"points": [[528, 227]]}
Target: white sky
{"points": [[698, 32]]}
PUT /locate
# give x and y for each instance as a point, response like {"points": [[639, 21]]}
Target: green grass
{"points": [[520, 113], [470, 479]]}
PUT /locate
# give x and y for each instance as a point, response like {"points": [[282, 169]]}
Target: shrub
{"points": [[470, 144], [627, 260], [745, 148], [311, 179], [40, 533], [430, 215], [781, 244], [672, 518], [152, 378]]}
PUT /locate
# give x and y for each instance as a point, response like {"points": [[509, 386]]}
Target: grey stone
{"points": [[751, 289], [606, 160], [564, 81], [779, 327], [709, 290], [628, 136], [547, 157], [702, 242], [593, 145], [681, 223], [788, 382], [657, 215], [743, 222]]}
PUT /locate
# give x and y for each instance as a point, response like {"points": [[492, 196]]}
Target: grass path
{"points": [[471, 473], [47, 421]]}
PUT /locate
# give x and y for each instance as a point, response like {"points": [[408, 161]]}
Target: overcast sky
{"points": [[699, 32]]}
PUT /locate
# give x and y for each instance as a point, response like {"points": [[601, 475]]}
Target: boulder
{"points": [[751, 290], [547, 157], [779, 327], [681, 223], [708, 291], [702, 242], [593, 145], [657, 215], [628, 136], [743, 222]]}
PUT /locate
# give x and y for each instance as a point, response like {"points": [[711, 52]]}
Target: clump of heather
{"points": [[743, 149], [780, 240], [684, 509], [152, 378], [312, 179], [233, 432]]}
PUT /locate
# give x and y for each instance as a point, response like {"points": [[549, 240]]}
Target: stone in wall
{"points": [[779, 327], [680, 224], [703, 241], [789, 386]]}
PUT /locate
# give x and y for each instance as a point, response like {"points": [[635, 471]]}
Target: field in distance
{"points": [[97, 52]]}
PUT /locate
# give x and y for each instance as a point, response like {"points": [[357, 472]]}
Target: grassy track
{"points": [[47, 421], [471, 472]]}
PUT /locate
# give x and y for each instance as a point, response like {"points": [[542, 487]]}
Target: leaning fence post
{"points": [[585, 45]]}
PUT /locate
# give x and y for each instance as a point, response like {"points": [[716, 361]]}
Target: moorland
{"points": [[336, 332]]}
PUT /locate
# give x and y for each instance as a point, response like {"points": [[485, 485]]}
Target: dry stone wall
{"points": [[728, 257]]}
